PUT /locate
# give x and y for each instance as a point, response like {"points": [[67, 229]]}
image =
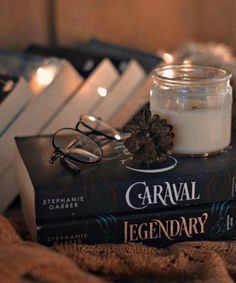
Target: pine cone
{"points": [[151, 137]]}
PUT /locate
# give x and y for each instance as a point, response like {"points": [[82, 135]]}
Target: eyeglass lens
{"points": [[77, 146]]}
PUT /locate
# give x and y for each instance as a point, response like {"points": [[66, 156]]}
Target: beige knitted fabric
{"points": [[197, 262], [22, 262]]}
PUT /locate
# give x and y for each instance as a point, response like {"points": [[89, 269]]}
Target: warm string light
{"points": [[187, 61], [91, 118], [168, 58], [7, 85], [43, 77], [102, 91]]}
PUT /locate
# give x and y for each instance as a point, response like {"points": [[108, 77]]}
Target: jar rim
{"points": [[211, 75]]}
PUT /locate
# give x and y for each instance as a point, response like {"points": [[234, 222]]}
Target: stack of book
{"points": [[181, 199], [52, 92], [111, 201]]}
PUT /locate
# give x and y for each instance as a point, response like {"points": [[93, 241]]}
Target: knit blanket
{"points": [[195, 262]]}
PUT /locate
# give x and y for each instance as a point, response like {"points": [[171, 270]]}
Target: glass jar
{"points": [[197, 101]]}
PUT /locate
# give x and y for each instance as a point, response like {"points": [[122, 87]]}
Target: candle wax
{"points": [[198, 131]]}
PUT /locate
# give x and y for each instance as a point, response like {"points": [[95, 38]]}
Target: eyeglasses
{"points": [[82, 144]]}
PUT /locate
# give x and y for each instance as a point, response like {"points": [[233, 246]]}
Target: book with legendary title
{"points": [[117, 185], [204, 222]]}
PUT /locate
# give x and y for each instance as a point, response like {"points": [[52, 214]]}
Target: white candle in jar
{"points": [[199, 131], [201, 117]]}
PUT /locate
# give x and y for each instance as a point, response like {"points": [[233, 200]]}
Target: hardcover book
{"points": [[99, 47], [212, 222], [83, 60], [97, 84], [129, 109], [117, 185], [15, 94], [20, 64], [43, 106], [116, 98]]}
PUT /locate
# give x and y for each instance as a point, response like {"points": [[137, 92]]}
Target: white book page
{"points": [[129, 81], [98, 83], [14, 103], [8, 187], [39, 112], [133, 104]]}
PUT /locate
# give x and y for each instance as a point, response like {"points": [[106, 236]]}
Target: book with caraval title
{"points": [[179, 199]]}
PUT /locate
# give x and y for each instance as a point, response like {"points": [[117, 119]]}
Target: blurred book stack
{"points": [[53, 87]]}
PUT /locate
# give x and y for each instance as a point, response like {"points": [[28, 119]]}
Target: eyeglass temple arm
{"points": [[56, 154], [78, 123]]}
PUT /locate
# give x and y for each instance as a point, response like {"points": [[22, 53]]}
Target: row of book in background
{"points": [[49, 89], [113, 201]]}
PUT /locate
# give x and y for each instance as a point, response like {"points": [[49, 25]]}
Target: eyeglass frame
{"points": [[58, 153]]}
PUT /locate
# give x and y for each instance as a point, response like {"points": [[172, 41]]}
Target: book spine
{"points": [[212, 222]]}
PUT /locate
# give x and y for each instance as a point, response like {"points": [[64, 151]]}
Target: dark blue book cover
{"points": [[117, 185], [212, 222], [114, 51], [82, 59], [18, 64]]}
